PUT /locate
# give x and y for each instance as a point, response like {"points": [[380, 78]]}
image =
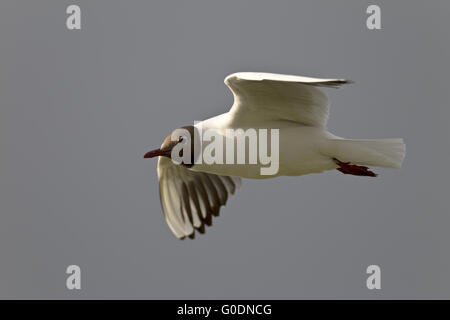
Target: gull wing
{"points": [[190, 199], [270, 96]]}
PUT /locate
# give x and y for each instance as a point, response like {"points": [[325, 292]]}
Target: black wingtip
{"points": [[201, 229], [338, 83]]}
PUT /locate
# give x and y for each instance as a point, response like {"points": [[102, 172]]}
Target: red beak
{"points": [[156, 153]]}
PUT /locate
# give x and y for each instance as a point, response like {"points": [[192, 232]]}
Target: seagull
{"points": [[192, 193]]}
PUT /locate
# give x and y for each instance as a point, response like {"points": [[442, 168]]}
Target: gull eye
{"points": [[180, 139]]}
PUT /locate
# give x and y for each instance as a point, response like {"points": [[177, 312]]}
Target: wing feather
{"points": [[213, 196], [281, 97], [189, 199], [166, 204]]}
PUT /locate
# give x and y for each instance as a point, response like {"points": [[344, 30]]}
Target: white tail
{"points": [[387, 153]]}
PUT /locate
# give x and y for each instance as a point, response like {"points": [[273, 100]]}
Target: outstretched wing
{"points": [[281, 97], [190, 199]]}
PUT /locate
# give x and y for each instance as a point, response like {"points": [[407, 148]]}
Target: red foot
{"points": [[347, 168]]}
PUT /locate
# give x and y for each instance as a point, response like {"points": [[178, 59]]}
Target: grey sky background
{"points": [[78, 109]]}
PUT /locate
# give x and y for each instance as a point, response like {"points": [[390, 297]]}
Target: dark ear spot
{"points": [[195, 145]]}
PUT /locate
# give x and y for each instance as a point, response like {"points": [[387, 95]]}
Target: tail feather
{"points": [[387, 153]]}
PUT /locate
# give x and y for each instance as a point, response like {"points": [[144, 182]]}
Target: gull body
{"points": [[192, 193], [302, 149]]}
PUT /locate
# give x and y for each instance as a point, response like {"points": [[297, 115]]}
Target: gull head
{"points": [[178, 146]]}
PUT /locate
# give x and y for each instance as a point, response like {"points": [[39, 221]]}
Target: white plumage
{"points": [[299, 110]]}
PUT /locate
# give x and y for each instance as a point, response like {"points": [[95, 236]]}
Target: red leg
{"points": [[348, 168]]}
